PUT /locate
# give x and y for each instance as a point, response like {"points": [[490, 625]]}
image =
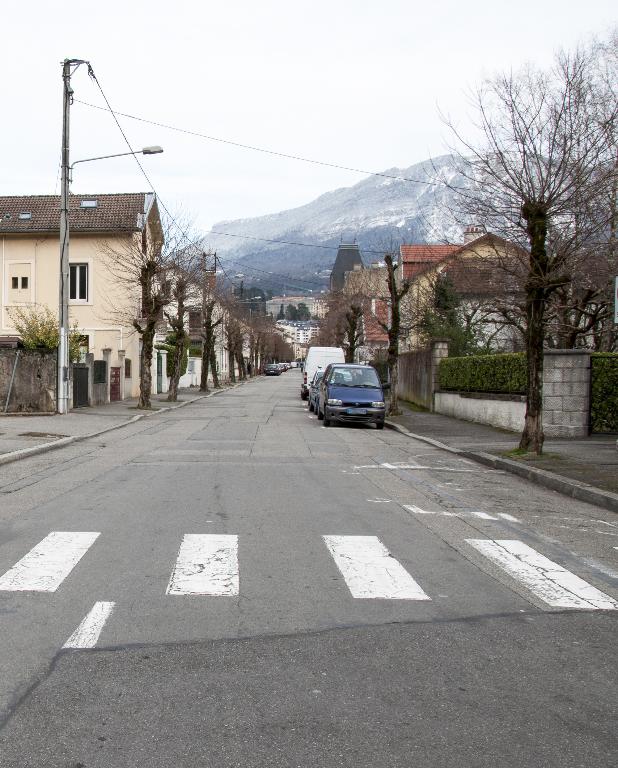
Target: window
{"points": [[15, 283], [78, 282], [100, 372], [88, 204], [127, 368], [25, 215], [24, 283]]}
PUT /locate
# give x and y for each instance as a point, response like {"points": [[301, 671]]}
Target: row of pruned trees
{"points": [[162, 276]]}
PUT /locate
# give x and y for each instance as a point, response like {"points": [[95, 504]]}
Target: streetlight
{"points": [[69, 65]]}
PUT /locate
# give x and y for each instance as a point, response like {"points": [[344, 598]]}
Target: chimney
{"points": [[472, 232]]}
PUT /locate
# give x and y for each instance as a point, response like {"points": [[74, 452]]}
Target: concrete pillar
{"points": [[121, 355], [90, 364], [107, 356], [439, 350], [566, 393], [164, 382]]}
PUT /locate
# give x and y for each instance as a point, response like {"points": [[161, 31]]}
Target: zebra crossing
{"points": [[208, 565]]}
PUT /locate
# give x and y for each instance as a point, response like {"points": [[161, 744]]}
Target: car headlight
{"points": [[378, 404], [333, 401]]}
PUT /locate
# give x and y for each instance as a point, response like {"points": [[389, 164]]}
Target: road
{"points": [[240, 586]]}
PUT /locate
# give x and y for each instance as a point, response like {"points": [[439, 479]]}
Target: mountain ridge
{"points": [[401, 205]]}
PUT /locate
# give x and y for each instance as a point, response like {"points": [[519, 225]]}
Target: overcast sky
{"points": [[353, 82]]}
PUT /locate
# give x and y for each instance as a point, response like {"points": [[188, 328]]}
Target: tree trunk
{"points": [[179, 355], [536, 222], [231, 363], [393, 375], [145, 376], [205, 362], [213, 366]]}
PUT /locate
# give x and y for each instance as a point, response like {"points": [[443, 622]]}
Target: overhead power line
{"points": [[254, 148]]}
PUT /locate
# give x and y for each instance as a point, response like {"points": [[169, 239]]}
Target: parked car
{"points": [[272, 369], [318, 358], [351, 393], [314, 390]]}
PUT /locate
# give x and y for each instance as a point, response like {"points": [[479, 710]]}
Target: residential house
{"points": [[102, 308]]}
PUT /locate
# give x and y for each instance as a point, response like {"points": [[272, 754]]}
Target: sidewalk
{"points": [[23, 435], [586, 469]]}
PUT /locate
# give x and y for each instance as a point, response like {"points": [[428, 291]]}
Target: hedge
{"points": [[484, 373], [170, 354], [604, 401]]}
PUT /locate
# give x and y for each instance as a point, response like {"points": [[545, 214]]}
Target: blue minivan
{"points": [[351, 393]]}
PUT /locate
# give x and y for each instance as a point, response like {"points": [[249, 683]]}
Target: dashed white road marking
{"points": [[87, 633], [388, 465], [48, 564], [370, 571], [207, 564], [380, 501], [463, 513], [547, 580]]}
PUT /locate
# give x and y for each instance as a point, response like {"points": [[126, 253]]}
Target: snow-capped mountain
{"points": [[404, 205]]}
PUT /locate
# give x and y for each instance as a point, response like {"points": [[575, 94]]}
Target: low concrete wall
{"points": [[495, 411], [34, 383], [418, 373]]}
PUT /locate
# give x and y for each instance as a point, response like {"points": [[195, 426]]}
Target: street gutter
{"points": [[24, 453], [564, 485]]}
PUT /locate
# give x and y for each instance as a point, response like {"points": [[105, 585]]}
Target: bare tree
{"points": [[353, 330], [393, 327], [182, 279], [140, 266], [211, 319], [541, 178]]}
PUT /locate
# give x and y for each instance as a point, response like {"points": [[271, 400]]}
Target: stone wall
{"points": [[418, 373], [566, 393], [34, 383], [506, 412]]}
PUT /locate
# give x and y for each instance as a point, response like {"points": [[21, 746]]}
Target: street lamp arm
{"points": [[155, 150]]}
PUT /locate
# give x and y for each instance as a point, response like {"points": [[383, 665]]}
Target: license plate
{"points": [[357, 411]]}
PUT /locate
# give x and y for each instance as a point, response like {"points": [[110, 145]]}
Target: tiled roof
{"points": [[113, 213], [416, 258], [373, 332]]}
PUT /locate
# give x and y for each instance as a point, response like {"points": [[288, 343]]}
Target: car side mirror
{"points": [[386, 386]]}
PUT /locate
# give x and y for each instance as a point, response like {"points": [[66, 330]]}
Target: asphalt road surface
{"points": [[233, 584]]}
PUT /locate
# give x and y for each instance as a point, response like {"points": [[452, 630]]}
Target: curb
{"points": [[24, 453], [572, 488]]}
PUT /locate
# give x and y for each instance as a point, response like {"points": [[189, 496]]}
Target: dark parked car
{"points": [[314, 390], [272, 369], [351, 393]]}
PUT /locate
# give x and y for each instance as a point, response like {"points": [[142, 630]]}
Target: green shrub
{"points": [[169, 348], [484, 373], [604, 405]]}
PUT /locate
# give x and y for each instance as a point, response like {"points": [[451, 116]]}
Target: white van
{"points": [[318, 358]]}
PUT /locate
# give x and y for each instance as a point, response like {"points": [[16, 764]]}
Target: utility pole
{"points": [[63, 305]]}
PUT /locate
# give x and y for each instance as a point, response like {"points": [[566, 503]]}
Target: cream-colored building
{"points": [[99, 303]]}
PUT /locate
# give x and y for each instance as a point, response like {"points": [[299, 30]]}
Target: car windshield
{"points": [[355, 377]]}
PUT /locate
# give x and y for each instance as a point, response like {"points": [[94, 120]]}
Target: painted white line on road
{"points": [[510, 518], [370, 571], [87, 634], [380, 501], [386, 465], [551, 582], [48, 564], [418, 510], [481, 515], [207, 564]]}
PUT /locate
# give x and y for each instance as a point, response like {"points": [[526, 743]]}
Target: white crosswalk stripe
{"points": [[370, 571], [48, 564], [207, 564], [87, 633], [547, 580]]}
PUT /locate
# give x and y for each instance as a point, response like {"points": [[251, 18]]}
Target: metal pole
{"points": [[8, 397], [63, 324]]}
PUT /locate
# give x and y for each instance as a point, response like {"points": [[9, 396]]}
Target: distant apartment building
{"points": [[273, 306], [298, 331]]}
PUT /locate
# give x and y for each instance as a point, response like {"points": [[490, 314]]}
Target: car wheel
{"points": [[310, 407], [327, 422], [320, 414], [379, 425]]}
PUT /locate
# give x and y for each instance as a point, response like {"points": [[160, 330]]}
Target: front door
{"points": [[114, 384], [80, 386]]}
